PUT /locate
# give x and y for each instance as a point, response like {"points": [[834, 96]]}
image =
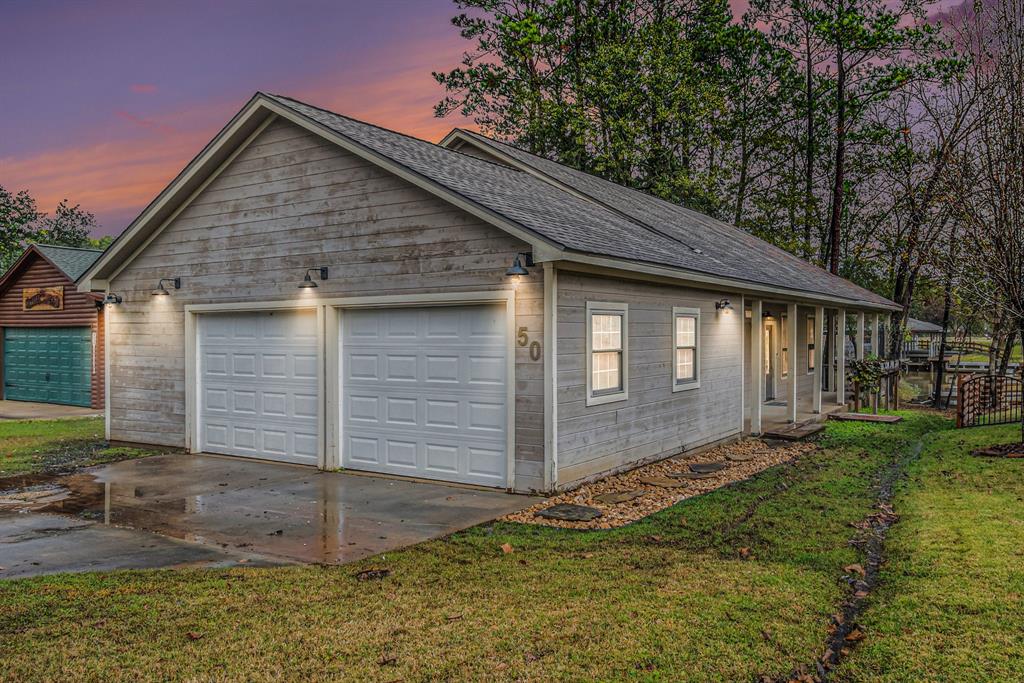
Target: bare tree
{"points": [[989, 201]]}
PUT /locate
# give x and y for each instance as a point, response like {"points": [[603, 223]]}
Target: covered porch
{"points": [[796, 360]]}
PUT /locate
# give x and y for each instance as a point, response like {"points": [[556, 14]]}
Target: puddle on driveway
{"points": [[275, 510]]}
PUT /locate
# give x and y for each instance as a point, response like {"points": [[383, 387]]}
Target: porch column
{"points": [[841, 356], [791, 324], [819, 356], [860, 335], [875, 337], [756, 365]]}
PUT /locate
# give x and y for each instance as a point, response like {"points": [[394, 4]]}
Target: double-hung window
{"points": [[686, 348], [607, 348], [812, 335]]}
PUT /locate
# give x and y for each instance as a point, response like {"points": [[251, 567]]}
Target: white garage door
{"points": [[424, 392], [258, 385]]}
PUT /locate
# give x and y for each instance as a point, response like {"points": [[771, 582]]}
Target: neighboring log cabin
{"points": [[52, 334]]}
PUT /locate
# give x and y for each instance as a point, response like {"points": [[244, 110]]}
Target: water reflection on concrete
{"points": [[270, 509]]}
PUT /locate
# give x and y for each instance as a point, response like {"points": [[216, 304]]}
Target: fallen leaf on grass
{"points": [[194, 635], [855, 636], [453, 617], [506, 548], [387, 661], [854, 569], [745, 553]]}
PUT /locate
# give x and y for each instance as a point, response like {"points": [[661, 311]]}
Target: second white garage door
{"points": [[424, 392]]}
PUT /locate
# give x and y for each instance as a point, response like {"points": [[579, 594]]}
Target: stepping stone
{"points": [[694, 475], [793, 432], [707, 467], [616, 497], [664, 482], [569, 513], [740, 457]]}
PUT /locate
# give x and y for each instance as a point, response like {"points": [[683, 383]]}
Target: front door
{"points": [[769, 360]]}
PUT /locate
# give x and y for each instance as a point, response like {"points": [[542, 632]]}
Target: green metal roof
{"points": [[73, 261]]}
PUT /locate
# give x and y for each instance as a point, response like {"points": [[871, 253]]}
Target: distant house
{"points": [[465, 311], [52, 333], [923, 328]]}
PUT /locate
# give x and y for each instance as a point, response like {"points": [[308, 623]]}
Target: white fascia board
{"points": [[605, 265]]}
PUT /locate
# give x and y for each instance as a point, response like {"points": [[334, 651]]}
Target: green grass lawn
{"points": [[951, 602], [667, 599], [35, 446]]}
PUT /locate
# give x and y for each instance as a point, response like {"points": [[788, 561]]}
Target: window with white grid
{"points": [[686, 344], [606, 352]]}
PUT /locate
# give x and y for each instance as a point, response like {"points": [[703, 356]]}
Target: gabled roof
{"points": [[633, 232], [71, 261], [725, 248], [915, 325]]}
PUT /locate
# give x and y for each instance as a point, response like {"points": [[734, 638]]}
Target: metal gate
{"points": [[989, 400]]}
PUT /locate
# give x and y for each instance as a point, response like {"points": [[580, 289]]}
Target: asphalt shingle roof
{"points": [[611, 220], [73, 261]]}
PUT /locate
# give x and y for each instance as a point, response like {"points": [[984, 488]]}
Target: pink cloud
{"points": [[143, 88]]}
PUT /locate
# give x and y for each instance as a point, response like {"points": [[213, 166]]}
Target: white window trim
{"points": [[695, 383], [600, 308]]}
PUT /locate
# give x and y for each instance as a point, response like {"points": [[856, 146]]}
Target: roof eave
{"points": [[704, 280]]}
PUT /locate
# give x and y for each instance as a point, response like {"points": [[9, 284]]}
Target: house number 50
{"points": [[524, 339]]}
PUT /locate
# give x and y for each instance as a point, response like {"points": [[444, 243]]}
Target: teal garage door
{"points": [[48, 364]]}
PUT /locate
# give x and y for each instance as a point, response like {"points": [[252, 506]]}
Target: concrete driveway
{"points": [[177, 509], [27, 410]]}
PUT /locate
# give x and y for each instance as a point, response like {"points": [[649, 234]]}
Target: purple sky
{"points": [[104, 102]]}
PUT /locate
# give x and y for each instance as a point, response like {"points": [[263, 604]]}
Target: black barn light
{"points": [[161, 290], [307, 281]]}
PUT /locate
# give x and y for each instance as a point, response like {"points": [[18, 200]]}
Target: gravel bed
{"points": [[761, 456]]}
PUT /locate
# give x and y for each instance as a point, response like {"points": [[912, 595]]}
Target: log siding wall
{"points": [[291, 201], [654, 422]]}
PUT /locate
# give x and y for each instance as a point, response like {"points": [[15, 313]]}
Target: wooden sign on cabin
{"points": [[42, 298]]}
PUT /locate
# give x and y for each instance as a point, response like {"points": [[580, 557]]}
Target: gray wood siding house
{"points": [[316, 290]]}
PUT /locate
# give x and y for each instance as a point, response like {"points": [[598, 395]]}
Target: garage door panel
{"points": [[259, 385], [424, 392]]}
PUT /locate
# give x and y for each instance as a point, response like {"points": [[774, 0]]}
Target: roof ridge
{"points": [[625, 215], [393, 132], [63, 246]]}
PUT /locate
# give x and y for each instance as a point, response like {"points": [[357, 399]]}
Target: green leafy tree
{"points": [[631, 90], [18, 217], [21, 223]]}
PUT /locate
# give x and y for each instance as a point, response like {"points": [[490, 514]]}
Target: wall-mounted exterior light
{"points": [[723, 305], [111, 298], [307, 281], [519, 266], [161, 290]]}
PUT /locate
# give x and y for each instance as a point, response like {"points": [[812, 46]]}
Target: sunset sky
{"points": [[104, 102]]}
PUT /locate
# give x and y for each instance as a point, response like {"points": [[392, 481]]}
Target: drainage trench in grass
{"points": [[844, 631]]}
